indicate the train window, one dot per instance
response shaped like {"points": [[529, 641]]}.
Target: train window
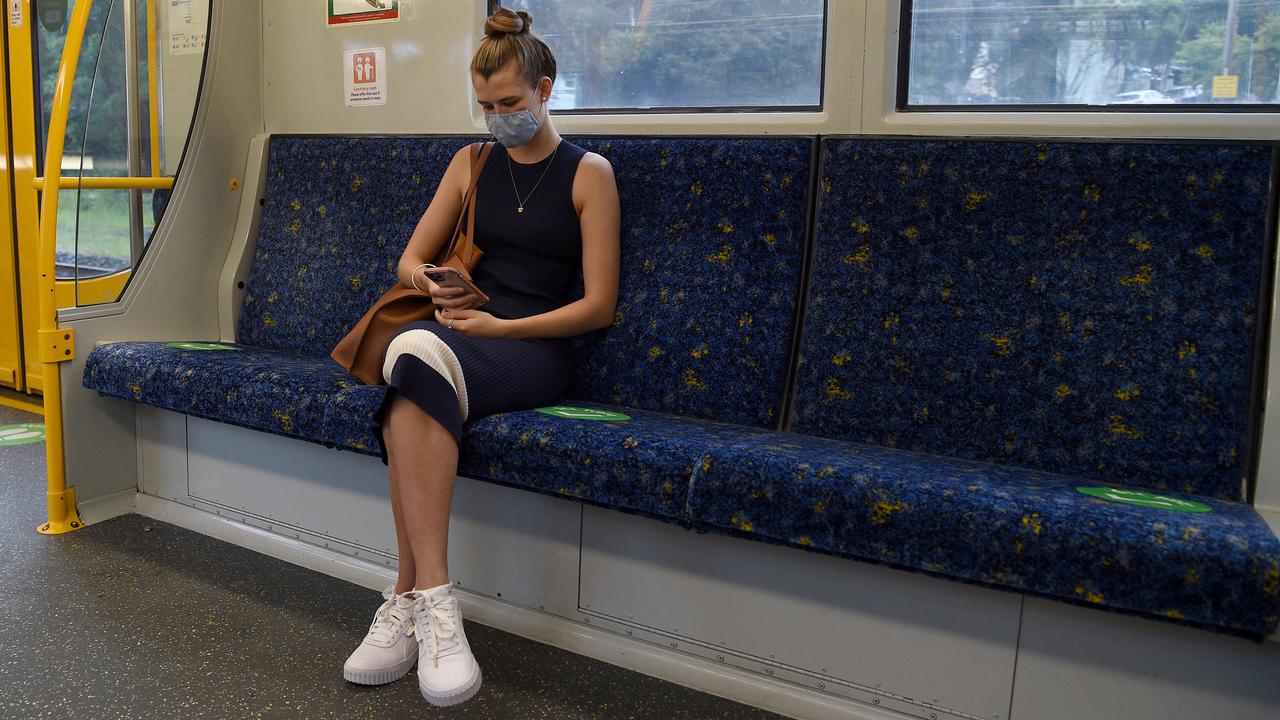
{"points": [[1147, 55], [116, 128], [683, 55]]}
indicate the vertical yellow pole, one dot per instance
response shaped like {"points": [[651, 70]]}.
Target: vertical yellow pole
{"points": [[57, 346], [153, 97]]}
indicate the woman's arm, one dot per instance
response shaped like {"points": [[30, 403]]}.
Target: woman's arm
{"points": [[435, 228], [595, 193]]}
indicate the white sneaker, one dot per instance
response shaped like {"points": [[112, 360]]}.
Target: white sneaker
{"points": [[388, 650], [447, 671]]}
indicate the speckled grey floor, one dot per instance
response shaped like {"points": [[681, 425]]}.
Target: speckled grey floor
{"points": [[133, 618]]}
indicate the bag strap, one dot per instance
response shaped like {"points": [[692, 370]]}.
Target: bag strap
{"points": [[469, 200]]}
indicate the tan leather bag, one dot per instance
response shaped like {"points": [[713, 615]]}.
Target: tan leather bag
{"points": [[364, 348]]}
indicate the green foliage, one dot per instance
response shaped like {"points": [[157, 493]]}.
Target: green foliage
{"points": [[1203, 55], [103, 133]]}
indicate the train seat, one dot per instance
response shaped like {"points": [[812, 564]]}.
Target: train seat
{"points": [[991, 325], [714, 237], [987, 327]]}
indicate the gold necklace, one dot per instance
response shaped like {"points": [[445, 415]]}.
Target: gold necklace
{"points": [[520, 203]]}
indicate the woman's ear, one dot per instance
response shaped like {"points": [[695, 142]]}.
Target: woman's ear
{"points": [[544, 88]]}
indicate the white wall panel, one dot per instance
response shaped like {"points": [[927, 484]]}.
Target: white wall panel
{"points": [[162, 453], [930, 640], [1081, 663]]}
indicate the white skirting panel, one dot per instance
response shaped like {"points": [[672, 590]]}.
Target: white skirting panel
{"points": [[803, 634], [1079, 663]]}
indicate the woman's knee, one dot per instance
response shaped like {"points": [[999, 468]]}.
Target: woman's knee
{"points": [[406, 420]]}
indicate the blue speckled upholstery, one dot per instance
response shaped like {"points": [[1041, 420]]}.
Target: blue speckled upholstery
{"points": [[268, 390], [998, 526], [1044, 260], [713, 235], [1083, 308], [338, 214]]}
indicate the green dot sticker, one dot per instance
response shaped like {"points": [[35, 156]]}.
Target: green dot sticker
{"points": [[1145, 499], [24, 434], [581, 413], [202, 346]]}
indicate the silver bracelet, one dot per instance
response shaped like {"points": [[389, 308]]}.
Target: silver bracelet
{"points": [[413, 281]]}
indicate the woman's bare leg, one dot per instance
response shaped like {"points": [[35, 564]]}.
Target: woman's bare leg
{"points": [[408, 576], [423, 460]]}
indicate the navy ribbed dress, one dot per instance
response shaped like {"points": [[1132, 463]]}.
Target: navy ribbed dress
{"points": [[531, 265]]}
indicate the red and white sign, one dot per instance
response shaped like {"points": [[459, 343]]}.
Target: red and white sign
{"points": [[366, 76], [365, 67]]}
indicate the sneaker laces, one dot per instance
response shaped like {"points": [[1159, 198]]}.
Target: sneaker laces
{"points": [[390, 618], [442, 629]]}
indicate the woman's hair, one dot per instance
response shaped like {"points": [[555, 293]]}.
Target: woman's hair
{"points": [[507, 37]]}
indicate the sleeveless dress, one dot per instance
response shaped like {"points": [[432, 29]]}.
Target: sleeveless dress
{"points": [[531, 265]]}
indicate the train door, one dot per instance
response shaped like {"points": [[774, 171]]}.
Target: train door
{"points": [[114, 132]]}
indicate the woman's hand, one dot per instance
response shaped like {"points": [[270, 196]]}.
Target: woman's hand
{"points": [[477, 323], [451, 298]]}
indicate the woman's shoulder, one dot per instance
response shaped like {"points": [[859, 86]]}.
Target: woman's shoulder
{"points": [[585, 160]]}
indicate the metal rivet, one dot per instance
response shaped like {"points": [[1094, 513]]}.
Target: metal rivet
{"points": [[720, 658], [933, 716], [770, 671], [822, 686], [628, 632], [875, 701], [673, 644]]}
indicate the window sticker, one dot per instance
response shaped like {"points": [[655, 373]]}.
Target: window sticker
{"points": [[365, 77]]}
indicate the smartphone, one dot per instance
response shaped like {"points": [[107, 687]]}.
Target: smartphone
{"points": [[450, 277]]}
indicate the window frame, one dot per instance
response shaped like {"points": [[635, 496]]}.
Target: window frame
{"points": [[902, 105]]}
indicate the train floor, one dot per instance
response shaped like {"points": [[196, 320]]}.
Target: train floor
{"points": [[135, 618]]}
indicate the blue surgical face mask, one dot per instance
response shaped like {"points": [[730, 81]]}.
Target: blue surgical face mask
{"points": [[514, 128]]}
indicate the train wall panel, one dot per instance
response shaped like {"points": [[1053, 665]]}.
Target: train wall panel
{"points": [[942, 643], [1075, 663]]}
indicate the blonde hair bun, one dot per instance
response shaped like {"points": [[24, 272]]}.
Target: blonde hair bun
{"points": [[508, 22]]}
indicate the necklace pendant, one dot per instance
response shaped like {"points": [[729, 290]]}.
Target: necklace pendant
{"points": [[520, 209]]}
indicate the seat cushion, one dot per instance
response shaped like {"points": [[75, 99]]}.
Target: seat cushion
{"points": [[1081, 308], [267, 390], [998, 526]]}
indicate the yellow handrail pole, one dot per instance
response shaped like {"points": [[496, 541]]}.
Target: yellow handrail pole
{"points": [[57, 346], [153, 99], [112, 182]]}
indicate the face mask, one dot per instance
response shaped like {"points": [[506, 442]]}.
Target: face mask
{"points": [[514, 128]]}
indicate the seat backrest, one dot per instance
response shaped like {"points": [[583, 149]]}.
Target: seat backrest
{"points": [[337, 214], [713, 236], [1084, 308]]}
